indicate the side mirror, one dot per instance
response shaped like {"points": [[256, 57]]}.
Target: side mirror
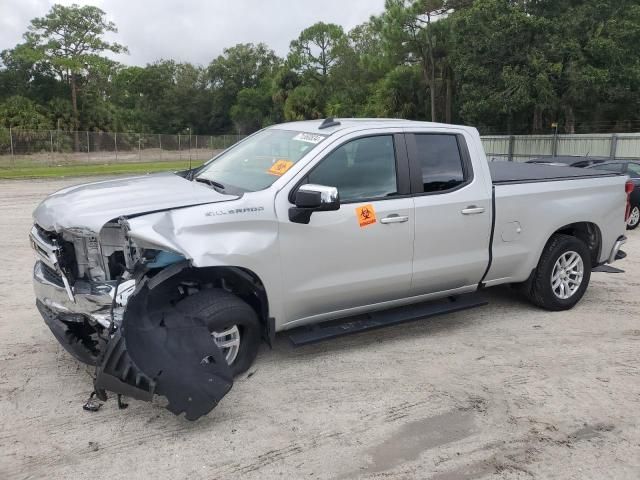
{"points": [[313, 198]]}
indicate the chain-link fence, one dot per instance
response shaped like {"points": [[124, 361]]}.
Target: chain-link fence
{"points": [[520, 148], [20, 148]]}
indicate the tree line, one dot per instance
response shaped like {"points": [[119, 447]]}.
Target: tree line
{"points": [[507, 66]]}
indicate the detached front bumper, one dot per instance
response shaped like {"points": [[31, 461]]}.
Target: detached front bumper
{"points": [[79, 323], [91, 300]]}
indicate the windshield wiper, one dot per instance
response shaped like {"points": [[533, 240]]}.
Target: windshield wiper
{"points": [[212, 183]]}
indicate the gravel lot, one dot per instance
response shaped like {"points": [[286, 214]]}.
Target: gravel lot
{"points": [[504, 391]]}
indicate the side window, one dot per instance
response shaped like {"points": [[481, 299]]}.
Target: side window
{"points": [[361, 169], [634, 170], [610, 167], [441, 162]]}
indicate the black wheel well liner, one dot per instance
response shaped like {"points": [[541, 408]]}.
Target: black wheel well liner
{"points": [[589, 233], [242, 282]]}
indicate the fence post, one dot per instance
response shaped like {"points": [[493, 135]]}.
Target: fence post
{"points": [[139, 147], [51, 144], [614, 146], [115, 144], [13, 160], [179, 149], [160, 145], [196, 147], [512, 143], [88, 156]]}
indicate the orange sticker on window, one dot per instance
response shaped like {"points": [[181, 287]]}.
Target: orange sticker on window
{"points": [[366, 215], [280, 167]]}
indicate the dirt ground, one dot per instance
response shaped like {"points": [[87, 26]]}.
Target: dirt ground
{"points": [[504, 391]]}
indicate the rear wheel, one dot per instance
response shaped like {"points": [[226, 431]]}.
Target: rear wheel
{"points": [[562, 275], [233, 324], [634, 218]]}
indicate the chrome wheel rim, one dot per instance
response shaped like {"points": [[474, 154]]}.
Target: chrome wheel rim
{"points": [[567, 275], [634, 217], [228, 342]]}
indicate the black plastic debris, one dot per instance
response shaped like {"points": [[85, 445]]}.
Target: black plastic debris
{"points": [[161, 350]]}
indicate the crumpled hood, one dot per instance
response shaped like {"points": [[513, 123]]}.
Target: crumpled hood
{"points": [[91, 205]]}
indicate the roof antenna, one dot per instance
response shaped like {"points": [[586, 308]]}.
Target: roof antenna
{"points": [[328, 122]]}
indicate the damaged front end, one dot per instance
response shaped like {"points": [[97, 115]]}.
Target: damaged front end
{"points": [[115, 305]]}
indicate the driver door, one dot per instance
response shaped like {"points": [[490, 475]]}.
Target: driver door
{"points": [[360, 254]]}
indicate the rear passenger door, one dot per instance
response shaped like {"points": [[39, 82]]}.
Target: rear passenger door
{"points": [[453, 213]]}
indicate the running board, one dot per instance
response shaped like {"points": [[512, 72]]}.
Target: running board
{"points": [[384, 318]]}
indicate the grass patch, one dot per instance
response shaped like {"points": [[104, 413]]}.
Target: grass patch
{"points": [[47, 171]]}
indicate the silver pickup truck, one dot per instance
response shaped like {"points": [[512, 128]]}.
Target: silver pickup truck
{"points": [[168, 283]]}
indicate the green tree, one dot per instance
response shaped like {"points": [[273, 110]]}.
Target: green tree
{"points": [[23, 113], [593, 47], [252, 109], [399, 94], [304, 103], [360, 63], [313, 53], [496, 63], [69, 40], [244, 66], [407, 27]]}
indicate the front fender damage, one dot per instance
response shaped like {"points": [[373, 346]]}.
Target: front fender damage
{"points": [[161, 350]]}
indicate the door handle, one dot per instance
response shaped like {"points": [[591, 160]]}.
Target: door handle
{"points": [[395, 218], [472, 210]]}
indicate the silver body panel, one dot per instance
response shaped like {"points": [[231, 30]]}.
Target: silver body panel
{"points": [[91, 205], [539, 209], [332, 267]]}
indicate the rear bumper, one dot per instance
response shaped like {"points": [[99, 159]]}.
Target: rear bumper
{"points": [[616, 252]]}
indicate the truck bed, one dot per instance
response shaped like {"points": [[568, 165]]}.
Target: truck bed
{"points": [[510, 173]]}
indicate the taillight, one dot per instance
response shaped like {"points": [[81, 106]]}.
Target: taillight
{"points": [[628, 188]]}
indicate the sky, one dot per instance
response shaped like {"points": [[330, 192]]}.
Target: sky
{"points": [[196, 31]]}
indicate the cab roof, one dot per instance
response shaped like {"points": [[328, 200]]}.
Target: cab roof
{"points": [[313, 126]]}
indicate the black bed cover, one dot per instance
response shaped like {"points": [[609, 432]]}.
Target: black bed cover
{"points": [[513, 172]]}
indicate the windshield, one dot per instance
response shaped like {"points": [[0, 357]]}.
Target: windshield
{"points": [[257, 162]]}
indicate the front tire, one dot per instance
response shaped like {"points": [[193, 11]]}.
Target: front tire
{"points": [[562, 275], [634, 218], [233, 324]]}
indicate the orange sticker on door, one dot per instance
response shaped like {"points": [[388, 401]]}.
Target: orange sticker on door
{"points": [[366, 215], [280, 167]]}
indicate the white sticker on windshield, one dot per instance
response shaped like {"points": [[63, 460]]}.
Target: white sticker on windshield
{"points": [[309, 138]]}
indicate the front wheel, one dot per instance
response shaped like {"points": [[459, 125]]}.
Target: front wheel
{"points": [[634, 218], [562, 275], [233, 324]]}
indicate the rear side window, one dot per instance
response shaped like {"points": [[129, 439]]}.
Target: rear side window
{"points": [[610, 167], [634, 170], [441, 162]]}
